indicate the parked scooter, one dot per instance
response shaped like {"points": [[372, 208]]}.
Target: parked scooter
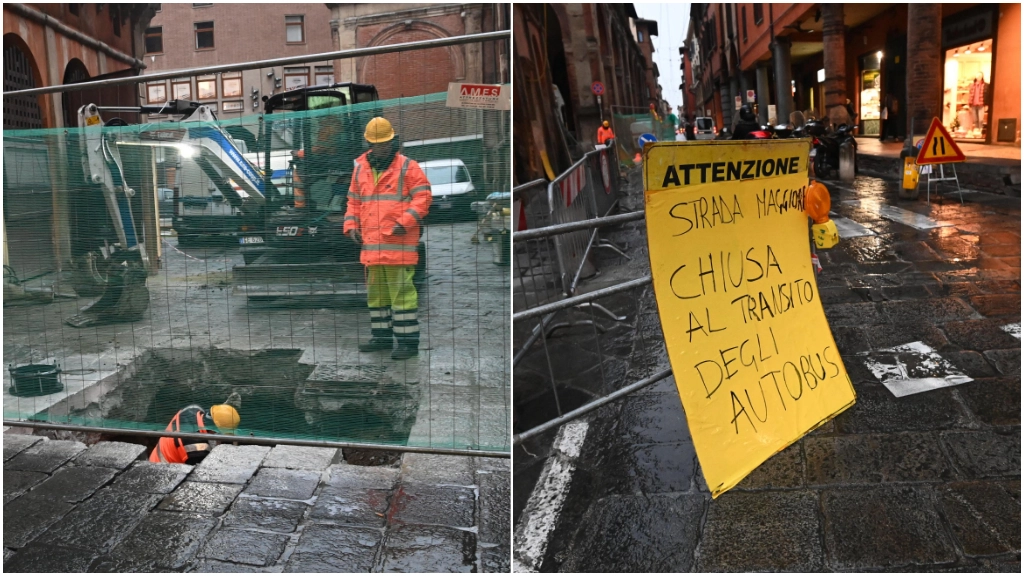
{"points": [[825, 147]]}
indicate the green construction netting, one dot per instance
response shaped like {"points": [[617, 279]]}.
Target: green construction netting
{"points": [[224, 273], [629, 127]]}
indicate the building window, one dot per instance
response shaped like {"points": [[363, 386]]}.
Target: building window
{"points": [[231, 85], [758, 14], [206, 87], [115, 18], [296, 77], [204, 35], [324, 75], [156, 93], [743, 17], [233, 106], [639, 36], [155, 40], [203, 5], [157, 9], [294, 28], [181, 89], [73, 9]]}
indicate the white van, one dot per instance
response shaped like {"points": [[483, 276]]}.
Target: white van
{"points": [[704, 128]]}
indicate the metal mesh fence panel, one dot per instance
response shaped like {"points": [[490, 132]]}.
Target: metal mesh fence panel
{"points": [[196, 261]]}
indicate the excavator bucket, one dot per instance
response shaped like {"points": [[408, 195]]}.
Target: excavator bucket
{"points": [[125, 298]]}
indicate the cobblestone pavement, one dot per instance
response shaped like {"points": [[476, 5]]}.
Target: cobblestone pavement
{"points": [[927, 482], [103, 508]]}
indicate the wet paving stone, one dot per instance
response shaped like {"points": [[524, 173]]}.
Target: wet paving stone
{"points": [[872, 458], [17, 482], [971, 363], [980, 335], [430, 504], [45, 456], [14, 444], [348, 505], [245, 547], [997, 305], [935, 310], [230, 464], [261, 514], [74, 484], [877, 410], [850, 339], [1007, 362], [102, 521], [348, 475], [985, 454], [218, 567], [905, 292], [648, 469], [884, 528], [637, 534], [152, 478], [335, 549], [653, 418], [280, 483], [49, 559], [300, 458], [773, 531], [116, 455], [984, 518], [163, 541], [839, 295], [201, 497], [863, 314], [783, 470], [429, 549], [911, 330], [493, 507], [27, 517], [994, 401], [432, 468]]}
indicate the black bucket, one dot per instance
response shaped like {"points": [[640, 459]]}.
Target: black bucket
{"points": [[35, 380]]}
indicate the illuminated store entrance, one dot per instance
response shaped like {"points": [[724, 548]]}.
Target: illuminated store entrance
{"points": [[966, 90]]}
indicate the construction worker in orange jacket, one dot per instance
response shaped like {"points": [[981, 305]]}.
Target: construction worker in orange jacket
{"points": [[604, 133], [179, 451], [387, 204]]}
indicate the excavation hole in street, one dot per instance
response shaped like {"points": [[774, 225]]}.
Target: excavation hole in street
{"points": [[541, 408], [280, 397]]}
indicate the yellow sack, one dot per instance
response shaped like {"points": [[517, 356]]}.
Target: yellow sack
{"points": [[825, 235]]}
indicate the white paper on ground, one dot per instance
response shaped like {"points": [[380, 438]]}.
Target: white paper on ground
{"points": [[913, 368]]}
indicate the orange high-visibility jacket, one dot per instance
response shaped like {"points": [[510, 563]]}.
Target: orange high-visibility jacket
{"points": [[401, 196], [175, 450], [604, 134]]}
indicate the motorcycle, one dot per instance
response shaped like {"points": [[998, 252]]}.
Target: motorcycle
{"points": [[825, 147]]}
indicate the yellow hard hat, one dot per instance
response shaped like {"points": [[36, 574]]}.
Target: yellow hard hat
{"points": [[605, 123], [225, 416], [378, 130]]}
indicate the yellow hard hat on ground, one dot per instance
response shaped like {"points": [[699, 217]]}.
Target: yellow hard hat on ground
{"points": [[225, 416], [378, 130]]}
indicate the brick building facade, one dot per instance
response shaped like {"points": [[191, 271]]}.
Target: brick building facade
{"points": [[184, 36], [418, 72], [560, 50]]}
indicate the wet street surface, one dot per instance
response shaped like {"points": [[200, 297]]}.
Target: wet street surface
{"points": [[69, 507], [921, 474]]}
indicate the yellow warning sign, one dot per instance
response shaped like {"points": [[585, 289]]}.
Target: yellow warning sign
{"points": [[938, 146], [752, 354]]}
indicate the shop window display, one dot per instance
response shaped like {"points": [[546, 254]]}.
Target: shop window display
{"points": [[967, 90]]}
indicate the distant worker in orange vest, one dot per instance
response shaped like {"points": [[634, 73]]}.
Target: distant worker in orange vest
{"points": [[387, 204], [604, 133], [193, 419]]}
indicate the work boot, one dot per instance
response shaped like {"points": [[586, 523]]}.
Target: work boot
{"points": [[376, 345], [406, 349], [381, 339]]}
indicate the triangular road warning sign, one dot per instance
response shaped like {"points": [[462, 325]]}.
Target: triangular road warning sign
{"points": [[939, 147]]}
